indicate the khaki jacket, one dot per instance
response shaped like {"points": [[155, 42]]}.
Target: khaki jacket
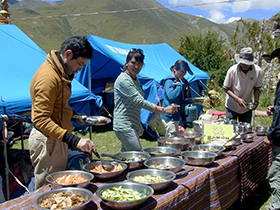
{"points": [[50, 92]]}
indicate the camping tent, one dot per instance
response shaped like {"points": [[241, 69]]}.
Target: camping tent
{"points": [[109, 58], [20, 58]]}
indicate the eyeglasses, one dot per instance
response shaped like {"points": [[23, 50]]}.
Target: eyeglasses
{"points": [[134, 50]]}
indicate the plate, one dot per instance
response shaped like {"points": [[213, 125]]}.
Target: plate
{"points": [[98, 120]]}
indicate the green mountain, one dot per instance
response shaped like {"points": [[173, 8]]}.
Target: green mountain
{"points": [[49, 23]]}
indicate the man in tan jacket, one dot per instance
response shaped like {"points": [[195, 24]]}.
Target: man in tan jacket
{"points": [[50, 91]]}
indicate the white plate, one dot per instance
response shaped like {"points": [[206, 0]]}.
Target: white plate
{"points": [[98, 120]]}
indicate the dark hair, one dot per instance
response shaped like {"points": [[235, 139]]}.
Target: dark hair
{"points": [[79, 45], [138, 54]]}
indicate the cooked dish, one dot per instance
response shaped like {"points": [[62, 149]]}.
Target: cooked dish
{"points": [[162, 166], [70, 179], [99, 168], [149, 179], [63, 200]]}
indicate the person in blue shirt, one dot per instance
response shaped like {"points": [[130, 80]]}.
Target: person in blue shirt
{"points": [[174, 93]]}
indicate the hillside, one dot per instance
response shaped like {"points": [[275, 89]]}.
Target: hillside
{"points": [[49, 23]]}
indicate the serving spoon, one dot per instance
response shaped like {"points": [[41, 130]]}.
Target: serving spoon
{"points": [[105, 165], [49, 175], [179, 173], [135, 159]]}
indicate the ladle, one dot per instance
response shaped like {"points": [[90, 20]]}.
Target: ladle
{"points": [[230, 139], [179, 173], [49, 175], [106, 166]]}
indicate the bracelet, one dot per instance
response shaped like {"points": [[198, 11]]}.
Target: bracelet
{"points": [[162, 110]]}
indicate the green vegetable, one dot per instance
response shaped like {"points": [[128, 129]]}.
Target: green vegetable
{"points": [[120, 194]]}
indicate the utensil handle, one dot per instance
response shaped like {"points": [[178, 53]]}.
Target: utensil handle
{"points": [[107, 155], [96, 154], [184, 172]]}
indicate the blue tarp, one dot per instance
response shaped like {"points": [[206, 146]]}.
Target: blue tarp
{"points": [[109, 58], [20, 57]]}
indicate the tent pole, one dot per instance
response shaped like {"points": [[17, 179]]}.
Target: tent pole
{"points": [[5, 139], [90, 127]]}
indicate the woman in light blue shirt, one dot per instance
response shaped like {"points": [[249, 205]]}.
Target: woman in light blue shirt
{"points": [[128, 101]]}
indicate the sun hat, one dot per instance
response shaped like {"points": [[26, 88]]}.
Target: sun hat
{"points": [[246, 56], [182, 66]]}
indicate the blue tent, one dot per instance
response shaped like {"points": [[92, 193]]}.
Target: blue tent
{"points": [[20, 58], [109, 58]]}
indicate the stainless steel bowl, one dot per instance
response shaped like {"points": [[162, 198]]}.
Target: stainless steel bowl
{"points": [[194, 136], [161, 151], [210, 148], [137, 187], [83, 174], [142, 156], [251, 106], [104, 175], [198, 158], [221, 142], [261, 130], [153, 172], [178, 143], [86, 194], [248, 138], [175, 162]]}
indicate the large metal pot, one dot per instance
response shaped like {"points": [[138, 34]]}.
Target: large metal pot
{"points": [[179, 143], [194, 136]]}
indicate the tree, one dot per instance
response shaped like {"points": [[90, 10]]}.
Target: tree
{"points": [[208, 52]]}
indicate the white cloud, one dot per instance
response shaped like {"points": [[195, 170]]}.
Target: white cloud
{"points": [[232, 19], [216, 16]]}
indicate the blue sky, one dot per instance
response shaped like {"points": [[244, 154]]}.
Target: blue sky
{"points": [[224, 11]]}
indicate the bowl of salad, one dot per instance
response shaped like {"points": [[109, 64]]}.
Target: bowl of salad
{"points": [[136, 195], [161, 151], [97, 170], [155, 178]]}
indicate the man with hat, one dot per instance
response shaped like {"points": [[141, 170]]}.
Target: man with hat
{"points": [[242, 80], [174, 87], [273, 139]]}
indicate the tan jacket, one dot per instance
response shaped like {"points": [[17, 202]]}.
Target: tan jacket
{"points": [[50, 92]]}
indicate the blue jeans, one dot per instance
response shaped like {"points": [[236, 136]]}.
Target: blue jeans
{"points": [[274, 179], [130, 140], [246, 117]]}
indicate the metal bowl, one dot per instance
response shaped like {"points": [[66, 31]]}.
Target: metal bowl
{"points": [[175, 162], [248, 138], [194, 136], [104, 175], [137, 187], [83, 174], [178, 143], [86, 194], [251, 106], [153, 172], [160, 151], [198, 158], [210, 148], [221, 142], [261, 130], [142, 156]]}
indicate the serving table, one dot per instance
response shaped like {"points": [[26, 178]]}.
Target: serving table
{"points": [[231, 177]]}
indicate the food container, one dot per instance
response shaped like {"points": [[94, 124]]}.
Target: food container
{"points": [[210, 148], [136, 187], [85, 194], [175, 163], [178, 143], [83, 174], [157, 186], [142, 156], [248, 138], [251, 106], [198, 158], [261, 130], [104, 175], [194, 136], [221, 142], [161, 151]]}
